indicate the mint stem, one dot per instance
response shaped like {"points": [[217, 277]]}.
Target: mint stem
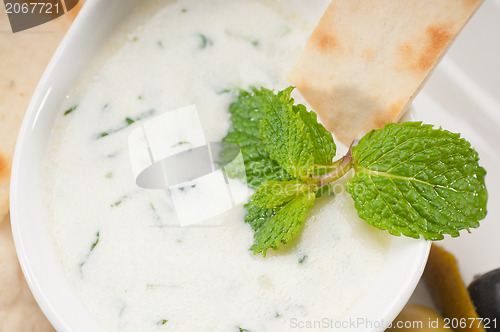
{"points": [[343, 165], [338, 172]]}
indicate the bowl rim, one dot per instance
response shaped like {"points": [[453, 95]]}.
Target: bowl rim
{"points": [[68, 53], [50, 90]]}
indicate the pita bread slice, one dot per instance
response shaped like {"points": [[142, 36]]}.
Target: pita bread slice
{"points": [[367, 59], [23, 57], [18, 309]]}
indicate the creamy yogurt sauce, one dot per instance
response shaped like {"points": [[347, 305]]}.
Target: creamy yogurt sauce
{"points": [[120, 245]]}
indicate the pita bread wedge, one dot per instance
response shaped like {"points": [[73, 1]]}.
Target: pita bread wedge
{"points": [[18, 309], [23, 58], [367, 59], [447, 289]]}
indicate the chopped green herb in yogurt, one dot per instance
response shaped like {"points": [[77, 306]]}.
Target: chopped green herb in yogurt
{"points": [[205, 42], [127, 122], [95, 243], [70, 110], [254, 42], [180, 143], [119, 201]]}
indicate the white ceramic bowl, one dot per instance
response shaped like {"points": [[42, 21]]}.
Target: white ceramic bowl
{"points": [[387, 295]]}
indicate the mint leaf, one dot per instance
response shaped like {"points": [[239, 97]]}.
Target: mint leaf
{"points": [[287, 137], [274, 193], [259, 167], [284, 224], [246, 114], [324, 146], [415, 180], [256, 216], [247, 111]]}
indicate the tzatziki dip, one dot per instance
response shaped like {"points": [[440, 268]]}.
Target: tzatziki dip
{"points": [[122, 248]]}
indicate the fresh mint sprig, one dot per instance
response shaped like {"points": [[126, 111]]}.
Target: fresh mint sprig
{"points": [[410, 178]]}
